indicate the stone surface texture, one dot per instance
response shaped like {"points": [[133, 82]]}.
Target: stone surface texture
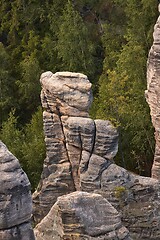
{"points": [[73, 140], [80, 154], [15, 199], [81, 215], [153, 93]]}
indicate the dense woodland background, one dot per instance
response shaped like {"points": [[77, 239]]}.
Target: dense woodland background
{"points": [[108, 40]]}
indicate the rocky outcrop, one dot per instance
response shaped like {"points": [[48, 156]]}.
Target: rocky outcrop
{"points": [[73, 140], [15, 199], [136, 198], [80, 154], [81, 215], [153, 93]]}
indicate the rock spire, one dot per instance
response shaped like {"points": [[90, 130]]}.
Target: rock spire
{"points": [[73, 140], [153, 93]]}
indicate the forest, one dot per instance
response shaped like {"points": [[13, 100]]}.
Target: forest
{"points": [[108, 40]]}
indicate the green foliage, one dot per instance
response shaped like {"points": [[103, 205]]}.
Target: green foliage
{"points": [[80, 36], [120, 191], [48, 58], [73, 45], [26, 144], [11, 135], [29, 86], [6, 85], [33, 148], [121, 91]]}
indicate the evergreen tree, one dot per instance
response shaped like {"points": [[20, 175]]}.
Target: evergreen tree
{"points": [[11, 135], [33, 148], [26, 144], [121, 93], [6, 85], [74, 46], [29, 87], [68, 35]]}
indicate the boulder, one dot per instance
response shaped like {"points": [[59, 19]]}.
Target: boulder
{"points": [[81, 215]]}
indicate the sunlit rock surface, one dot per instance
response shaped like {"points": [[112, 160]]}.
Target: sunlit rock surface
{"points": [[80, 156], [81, 215], [15, 199], [73, 140], [153, 93]]}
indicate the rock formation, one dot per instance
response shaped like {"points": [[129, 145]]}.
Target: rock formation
{"points": [[153, 93], [81, 215], [63, 96], [15, 199], [80, 155], [73, 140]]}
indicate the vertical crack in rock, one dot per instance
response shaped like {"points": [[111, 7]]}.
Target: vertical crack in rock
{"points": [[79, 162], [63, 95], [64, 142], [85, 162], [76, 140], [104, 167], [94, 139], [94, 142], [105, 148], [76, 143]]}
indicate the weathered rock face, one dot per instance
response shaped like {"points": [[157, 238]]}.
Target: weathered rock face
{"points": [[136, 197], [153, 94], [71, 137], [80, 154], [15, 199], [81, 215]]}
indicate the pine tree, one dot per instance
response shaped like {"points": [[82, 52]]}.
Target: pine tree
{"points": [[29, 87], [33, 148], [11, 135], [74, 46], [6, 85], [122, 85], [27, 144]]}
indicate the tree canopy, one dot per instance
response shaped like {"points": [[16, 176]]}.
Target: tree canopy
{"points": [[106, 40]]}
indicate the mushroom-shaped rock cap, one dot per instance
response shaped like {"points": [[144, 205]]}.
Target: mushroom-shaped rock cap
{"points": [[67, 91], [15, 195]]}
